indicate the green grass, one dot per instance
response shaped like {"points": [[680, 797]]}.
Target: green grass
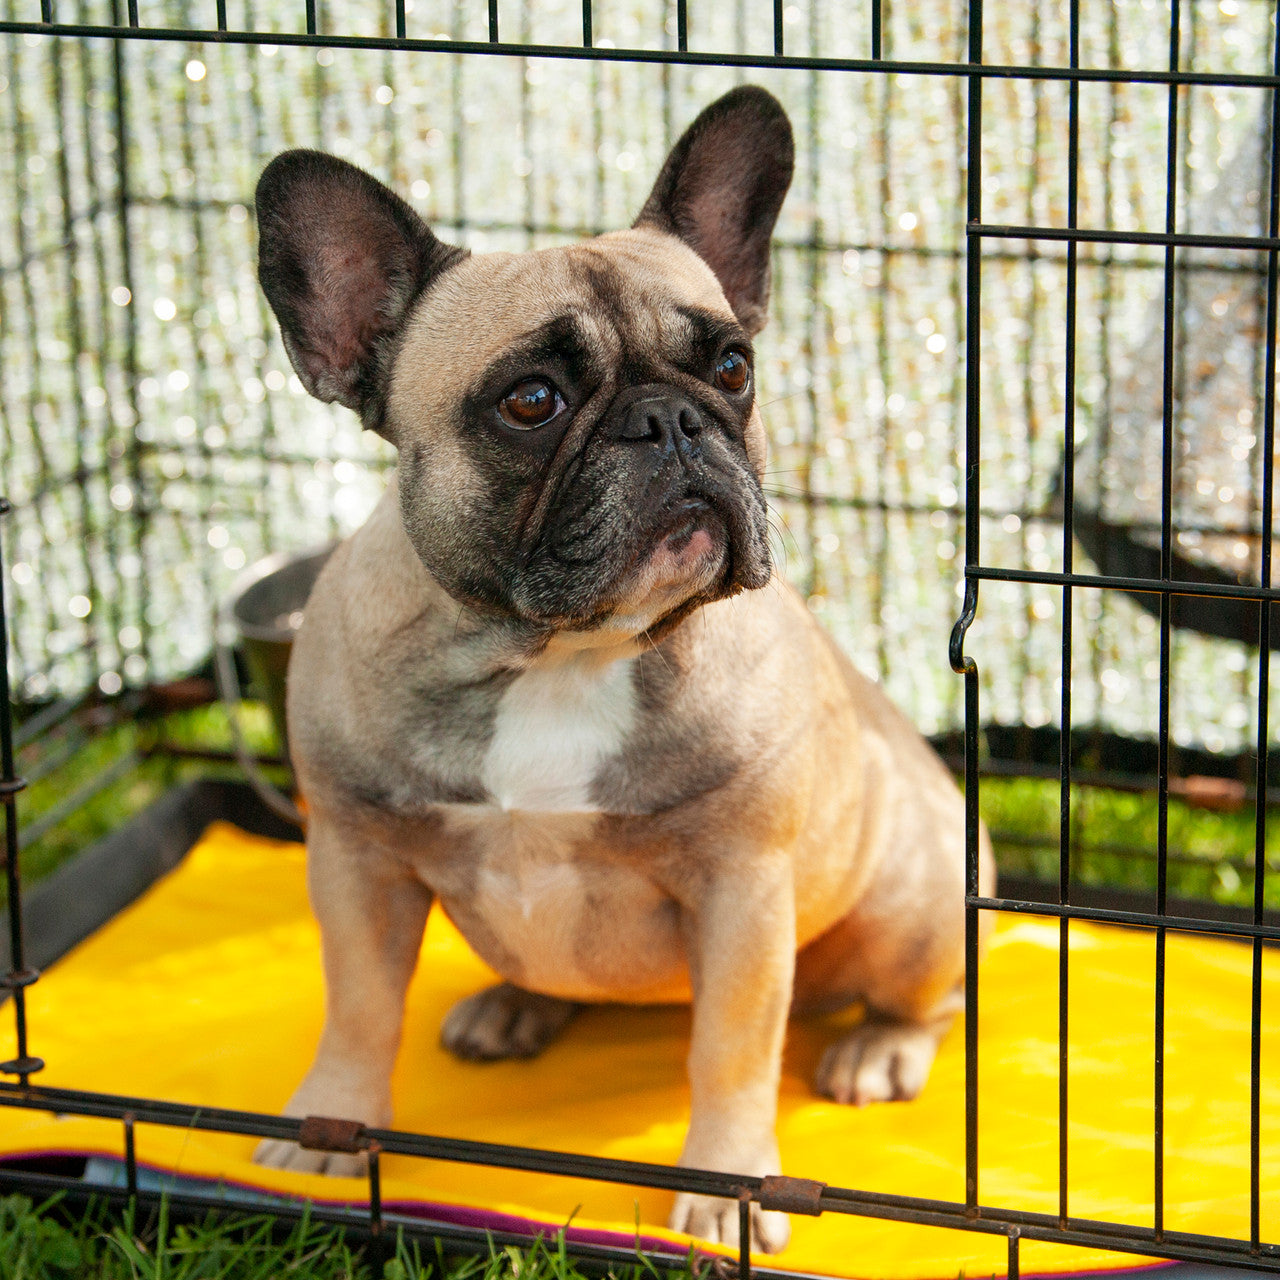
{"points": [[1114, 840], [46, 1242], [145, 778]]}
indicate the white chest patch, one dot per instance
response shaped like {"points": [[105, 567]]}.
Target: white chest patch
{"points": [[555, 726]]}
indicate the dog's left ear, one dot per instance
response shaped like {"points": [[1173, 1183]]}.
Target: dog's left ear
{"points": [[720, 191]]}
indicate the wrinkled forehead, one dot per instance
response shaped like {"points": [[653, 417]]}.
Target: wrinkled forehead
{"points": [[623, 291]]}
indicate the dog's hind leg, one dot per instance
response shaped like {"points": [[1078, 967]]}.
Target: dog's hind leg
{"points": [[901, 954], [885, 1059], [504, 1021]]}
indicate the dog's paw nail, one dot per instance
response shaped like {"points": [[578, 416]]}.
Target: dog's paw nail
{"points": [[770, 1231], [268, 1154]]}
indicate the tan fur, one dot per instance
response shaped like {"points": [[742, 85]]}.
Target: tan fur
{"points": [[811, 852]]}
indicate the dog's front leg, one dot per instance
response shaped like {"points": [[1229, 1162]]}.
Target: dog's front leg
{"points": [[372, 913], [740, 939]]}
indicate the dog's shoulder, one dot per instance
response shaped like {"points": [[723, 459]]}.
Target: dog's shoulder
{"points": [[389, 683]]}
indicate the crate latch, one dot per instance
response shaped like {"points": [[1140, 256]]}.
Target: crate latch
{"points": [[792, 1195], [324, 1133]]}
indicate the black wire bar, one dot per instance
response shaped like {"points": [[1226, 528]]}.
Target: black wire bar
{"points": [[1064, 692], [1150, 586], [960, 662], [1021, 249], [130, 1153], [1166, 239], [1264, 659], [689, 57], [1135, 919], [1086, 1232], [1171, 317], [19, 977]]}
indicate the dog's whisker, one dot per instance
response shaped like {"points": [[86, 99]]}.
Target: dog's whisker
{"points": [[784, 535], [662, 657], [790, 395], [790, 495], [639, 666]]}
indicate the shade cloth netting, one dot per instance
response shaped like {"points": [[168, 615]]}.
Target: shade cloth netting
{"points": [[208, 990]]}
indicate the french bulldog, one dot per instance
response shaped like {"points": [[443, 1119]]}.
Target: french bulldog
{"points": [[555, 684]]}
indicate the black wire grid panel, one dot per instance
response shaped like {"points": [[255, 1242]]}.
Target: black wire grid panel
{"points": [[1173, 247]]}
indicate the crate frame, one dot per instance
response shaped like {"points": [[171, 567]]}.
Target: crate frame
{"points": [[968, 1214]]}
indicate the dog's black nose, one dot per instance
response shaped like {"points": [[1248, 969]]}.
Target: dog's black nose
{"points": [[663, 418]]}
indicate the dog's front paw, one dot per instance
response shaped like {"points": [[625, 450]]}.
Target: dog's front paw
{"points": [[878, 1062], [715, 1220], [735, 1149], [504, 1021], [338, 1095]]}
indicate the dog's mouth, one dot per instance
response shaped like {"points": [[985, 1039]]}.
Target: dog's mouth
{"points": [[693, 546], [696, 551], [700, 544]]}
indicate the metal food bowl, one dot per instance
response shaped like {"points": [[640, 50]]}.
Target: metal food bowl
{"points": [[266, 610]]}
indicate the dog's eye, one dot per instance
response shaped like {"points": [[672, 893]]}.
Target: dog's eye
{"points": [[529, 404], [733, 370]]}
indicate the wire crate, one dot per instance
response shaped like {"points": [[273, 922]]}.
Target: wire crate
{"points": [[1020, 372]]}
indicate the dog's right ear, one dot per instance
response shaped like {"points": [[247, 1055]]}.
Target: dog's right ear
{"points": [[341, 259]]}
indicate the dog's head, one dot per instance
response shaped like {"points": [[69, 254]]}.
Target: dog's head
{"points": [[580, 445]]}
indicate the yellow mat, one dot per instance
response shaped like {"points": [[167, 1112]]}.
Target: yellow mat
{"points": [[208, 990]]}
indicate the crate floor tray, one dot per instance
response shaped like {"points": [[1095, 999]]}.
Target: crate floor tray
{"points": [[207, 990]]}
